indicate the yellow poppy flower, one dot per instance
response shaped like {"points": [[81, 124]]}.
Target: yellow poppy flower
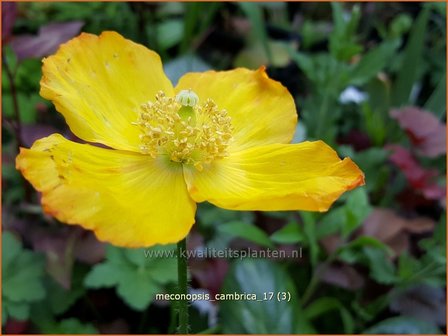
{"points": [[220, 137]]}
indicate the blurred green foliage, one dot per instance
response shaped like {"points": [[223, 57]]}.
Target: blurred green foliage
{"points": [[137, 277], [22, 283], [348, 277]]}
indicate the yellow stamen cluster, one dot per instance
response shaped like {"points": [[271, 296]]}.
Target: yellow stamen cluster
{"points": [[195, 138]]}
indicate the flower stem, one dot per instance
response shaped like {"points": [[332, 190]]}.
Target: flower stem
{"points": [[182, 286], [17, 123], [314, 282], [322, 121], [15, 103]]}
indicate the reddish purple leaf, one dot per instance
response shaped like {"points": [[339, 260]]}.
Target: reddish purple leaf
{"points": [[13, 326], [47, 41], [393, 230], [425, 131], [118, 326], [420, 178], [31, 133], [387, 227], [343, 276], [58, 249], [62, 247], [209, 273], [89, 249], [331, 243], [9, 12], [359, 140], [423, 302]]}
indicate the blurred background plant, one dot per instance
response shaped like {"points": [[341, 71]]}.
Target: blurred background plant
{"points": [[369, 79]]}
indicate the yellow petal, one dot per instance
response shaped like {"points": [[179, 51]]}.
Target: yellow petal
{"points": [[305, 176], [126, 198], [98, 82], [262, 110]]}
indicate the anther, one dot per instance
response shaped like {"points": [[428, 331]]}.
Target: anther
{"points": [[187, 132]]}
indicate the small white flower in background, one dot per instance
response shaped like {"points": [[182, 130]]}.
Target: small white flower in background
{"points": [[205, 307], [346, 16], [352, 95], [415, 91]]}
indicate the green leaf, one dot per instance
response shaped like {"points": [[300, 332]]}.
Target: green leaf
{"points": [[246, 231], [400, 25], [27, 106], [289, 234], [407, 267], [253, 56], [374, 122], [28, 76], [136, 276], [116, 255], [211, 216], [413, 56], [12, 178], [254, 13], [343, 44], [10, 59], [136, 256], [309, 228], [439, 7], [353, 22], [372, 163], [437, 101], [382, 270], [403, 325], [376, 115], [42, 316], [365, 241], [368, 311], [138, 290], [331, 222], [18, 310], [164, 270], [258, 276], [104, 275], [69, 326], [326, 304], [169, 33], [352, 252], [22, 277], [193, 12], [313, 32], [304, 62], [61, 299], [373, 62], [345, 218], [161, 260], [338, 18], [327, 75], [429, 269], [357, 208], [11, 248]]}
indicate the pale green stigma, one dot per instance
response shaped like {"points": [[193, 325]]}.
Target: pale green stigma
{"points": [[187, 98]]}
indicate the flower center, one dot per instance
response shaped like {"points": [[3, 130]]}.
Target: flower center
{"points": [[184, 130]]}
